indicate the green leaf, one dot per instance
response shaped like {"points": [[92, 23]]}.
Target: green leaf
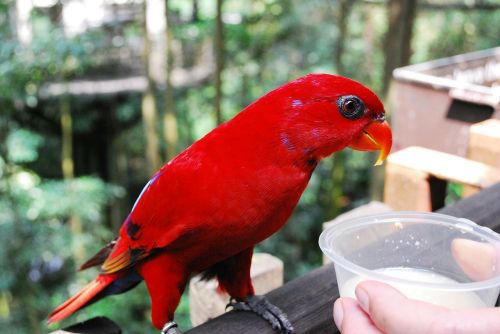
{"points": [[22, 146]]}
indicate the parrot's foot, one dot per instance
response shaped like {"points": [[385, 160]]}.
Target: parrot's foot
{"points": [[260, 305], [170, 328]]}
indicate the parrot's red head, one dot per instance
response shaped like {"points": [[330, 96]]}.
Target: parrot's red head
{"points": [[324, 113]]}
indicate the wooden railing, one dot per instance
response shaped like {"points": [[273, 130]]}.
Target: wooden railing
{"points": [[308, 300]]}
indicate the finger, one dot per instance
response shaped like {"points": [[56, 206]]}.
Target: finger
{"points": [[477, 259], [351, 319], [394, 313], [476, 321]]}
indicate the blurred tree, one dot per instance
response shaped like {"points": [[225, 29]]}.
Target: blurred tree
{"points": [[397, 42], [37, 242], [343, 13], [67, 137], [149, 108], [464, 31], [219, 60], [23, 24], [195, 11], [169, 118], [68, 167], [335, 204], [36, 262]]}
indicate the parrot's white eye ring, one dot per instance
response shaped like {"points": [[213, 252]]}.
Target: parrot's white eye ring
{"points": [[351, 107]]}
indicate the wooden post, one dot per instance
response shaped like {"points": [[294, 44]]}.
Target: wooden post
{"points": [[484, 142], [484, 146], [406, 188], [206, 302]]}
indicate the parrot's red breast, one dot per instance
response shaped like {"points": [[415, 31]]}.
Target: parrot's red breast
{"points": [[206, 209]]}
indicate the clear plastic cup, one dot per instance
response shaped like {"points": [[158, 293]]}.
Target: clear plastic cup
{"points": [[431, 257]]}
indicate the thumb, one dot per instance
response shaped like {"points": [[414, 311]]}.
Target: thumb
{"points": [[394, 313]]}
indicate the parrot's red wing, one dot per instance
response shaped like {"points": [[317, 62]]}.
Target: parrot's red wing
{"points": [[112, 258], [99, 258], [117, 263], [129, 248], [122, 258]]}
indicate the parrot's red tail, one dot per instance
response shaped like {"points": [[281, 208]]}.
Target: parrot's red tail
{"points": [[80, 299]]}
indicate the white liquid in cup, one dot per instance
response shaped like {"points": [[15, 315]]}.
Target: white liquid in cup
{"points": [[449, 299]]}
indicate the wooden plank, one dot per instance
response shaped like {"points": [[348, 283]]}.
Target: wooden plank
{"points": [[308, 300], [180, 78], [446, 166]]}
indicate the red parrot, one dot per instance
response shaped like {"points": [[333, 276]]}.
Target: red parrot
{"points": [[204, 211]]}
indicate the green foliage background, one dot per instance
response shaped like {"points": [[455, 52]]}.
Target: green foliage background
{"points": [[273, 42]]}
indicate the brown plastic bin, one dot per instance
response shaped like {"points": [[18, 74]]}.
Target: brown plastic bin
{"points": [[434, 103]]}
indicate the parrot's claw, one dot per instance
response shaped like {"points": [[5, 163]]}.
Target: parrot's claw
{"points": [[260, 305], [170, 328]]}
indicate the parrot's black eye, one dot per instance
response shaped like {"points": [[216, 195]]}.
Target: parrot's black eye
{"points": [[351, 106]]}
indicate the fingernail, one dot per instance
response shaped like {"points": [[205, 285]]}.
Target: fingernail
{"points": [[363, 299], [338, 313]]}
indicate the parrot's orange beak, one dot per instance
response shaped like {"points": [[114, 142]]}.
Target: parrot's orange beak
{"points": [[376, 136]]}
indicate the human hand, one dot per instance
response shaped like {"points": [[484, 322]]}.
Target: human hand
{"points": [[380, 308]]}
